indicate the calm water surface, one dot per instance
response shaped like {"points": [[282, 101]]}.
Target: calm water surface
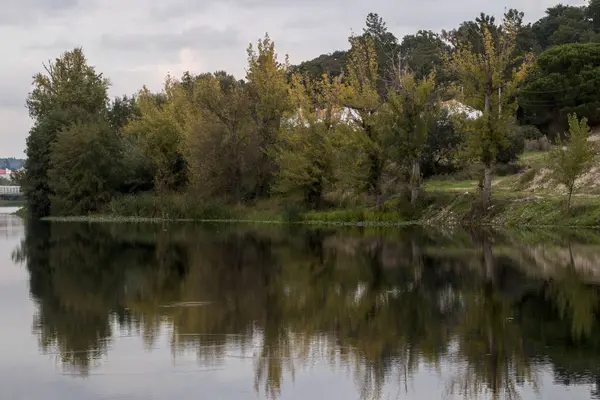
{"points": [[119, 311]]}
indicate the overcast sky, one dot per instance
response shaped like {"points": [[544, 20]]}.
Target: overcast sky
{"points": [[136, 42]]}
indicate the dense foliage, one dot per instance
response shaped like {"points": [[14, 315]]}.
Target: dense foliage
{"points": [[358, 126], [566, 80]]}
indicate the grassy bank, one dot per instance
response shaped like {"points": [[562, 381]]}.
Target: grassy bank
{"points": [[437, 208], [524, 196]]}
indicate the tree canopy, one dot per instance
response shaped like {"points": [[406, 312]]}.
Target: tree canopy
{"points": [[566, 79]]}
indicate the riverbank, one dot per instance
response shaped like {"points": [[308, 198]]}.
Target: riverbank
{"points": [[436, 209], [524, 195]]}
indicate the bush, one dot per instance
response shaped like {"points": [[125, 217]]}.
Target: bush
{"points": [[526, 178], [174, 206], [508, 169], [541, 144], [529, 132], [441, 152], [511, 153], [292, 212]]}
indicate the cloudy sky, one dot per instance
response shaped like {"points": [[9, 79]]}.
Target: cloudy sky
{"points": [[136, 42]]}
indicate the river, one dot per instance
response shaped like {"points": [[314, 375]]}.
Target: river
{"points": [[183, 311]]}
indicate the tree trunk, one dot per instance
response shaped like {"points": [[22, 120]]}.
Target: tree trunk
{"points": [[486, 193], [374, 177], [486, 190], [569, 198], [415, 182]]}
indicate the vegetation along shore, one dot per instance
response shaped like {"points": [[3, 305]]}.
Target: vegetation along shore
{"points": [[493, 122]]}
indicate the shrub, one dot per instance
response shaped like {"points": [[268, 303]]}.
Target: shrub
{"points": [[529, 132], [292, 212], [512, 152], [175, 206]]}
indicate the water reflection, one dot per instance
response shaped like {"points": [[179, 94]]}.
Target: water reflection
{"points": [[487, 312]]}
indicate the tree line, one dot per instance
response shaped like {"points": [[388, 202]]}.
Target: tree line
{"points": [[370, 131]]}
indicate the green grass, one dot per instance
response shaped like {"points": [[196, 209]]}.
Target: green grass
{"points": [[448, 185], [585, 212], [436, 209], [533, 158], [355, 217]]}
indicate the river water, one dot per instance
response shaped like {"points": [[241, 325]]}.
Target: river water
{"points": [[126, 311]]}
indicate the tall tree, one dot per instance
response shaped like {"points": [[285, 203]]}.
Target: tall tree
{"points": [[68, 91], [121, 110], [161, 137], [362, 96], [386, 49], [267, 85], [85, 162], [470, 34], [222, 152], [308, 139], [406, 118], [489, 86], [424, 53], [571, 158]]}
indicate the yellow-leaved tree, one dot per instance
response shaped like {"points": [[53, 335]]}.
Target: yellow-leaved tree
{"points": [[267, 87], [489, 83], [361, 95], [158, 130]]}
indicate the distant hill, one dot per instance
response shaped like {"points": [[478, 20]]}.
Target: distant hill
{"points": [[11, 163]]}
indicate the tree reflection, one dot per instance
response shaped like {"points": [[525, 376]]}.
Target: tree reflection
{"points": [[380, 307]]}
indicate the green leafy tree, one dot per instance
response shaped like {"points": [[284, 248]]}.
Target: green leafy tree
{"points": [[331, 64], [68, 91], [85, 161], [308, 139], [267, 86], [565, 80], [572, 158], [565, 24], [423, 53], [362, 96], [386, 49], [221, 149], [489, 85], [406, 118], [159, 132], [442, 150], [470, 34], [121, 110]]}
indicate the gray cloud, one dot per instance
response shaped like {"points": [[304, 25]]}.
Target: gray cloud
{"points": [[28, 11], [56, 45], [199, 37]]}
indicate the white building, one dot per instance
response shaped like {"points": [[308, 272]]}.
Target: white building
{"points": [[456, 107]]}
